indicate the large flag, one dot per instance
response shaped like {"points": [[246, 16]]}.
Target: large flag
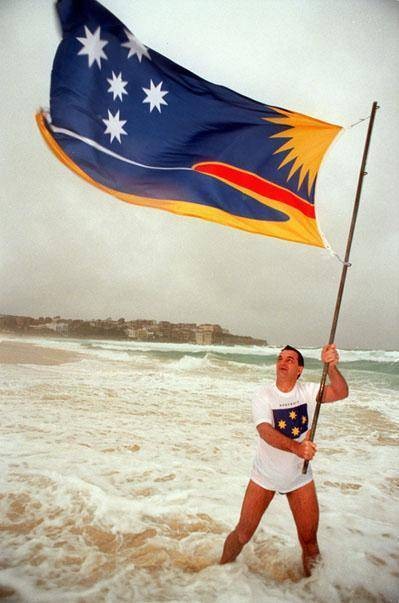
{"points": [[142, 128]]}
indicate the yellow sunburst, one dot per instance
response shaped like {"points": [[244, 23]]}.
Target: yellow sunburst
{"points": [[309, 140]]}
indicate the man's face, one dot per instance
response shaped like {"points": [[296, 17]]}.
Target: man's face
{"points": [[287, 366]]}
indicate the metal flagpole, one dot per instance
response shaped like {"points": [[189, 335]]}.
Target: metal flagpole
{"points": [[345, 267]]}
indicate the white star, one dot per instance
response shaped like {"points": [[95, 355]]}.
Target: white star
{"points": [[114, 126], [155, 96], [135, 47], [117, 86], [93, 46]]}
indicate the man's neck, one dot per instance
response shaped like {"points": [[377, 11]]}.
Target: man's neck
{"points": [[285, 386]]}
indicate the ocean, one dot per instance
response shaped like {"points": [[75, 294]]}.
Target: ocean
{"points": [[123, 471]]}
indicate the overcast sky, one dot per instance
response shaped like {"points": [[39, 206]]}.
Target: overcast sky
{"points": [[68, 249]]}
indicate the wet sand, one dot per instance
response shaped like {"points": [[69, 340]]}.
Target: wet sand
{"points": [[16, 352]]}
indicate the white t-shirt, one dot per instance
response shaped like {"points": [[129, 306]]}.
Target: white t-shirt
{"points": [[291, 414]]}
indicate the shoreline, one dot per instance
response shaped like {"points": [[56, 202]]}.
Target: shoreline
{"points": [[17, 352]]}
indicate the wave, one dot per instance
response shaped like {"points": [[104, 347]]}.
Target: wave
{"points": [[357, 355], [262, 356], [241, 361], [243, 354], [190, 362]]}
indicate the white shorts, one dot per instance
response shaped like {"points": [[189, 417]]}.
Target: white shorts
{"points": [[282, 487]]}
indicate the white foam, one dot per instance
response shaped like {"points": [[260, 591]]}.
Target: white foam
{"points": [[98, 452]]}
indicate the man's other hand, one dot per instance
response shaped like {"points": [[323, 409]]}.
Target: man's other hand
{"points": [[306, 449]]}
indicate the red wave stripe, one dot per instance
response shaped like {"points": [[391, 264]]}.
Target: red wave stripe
{"points": [[255, 183]]}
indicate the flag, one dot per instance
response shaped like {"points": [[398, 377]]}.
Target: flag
{"points": [[291, 422], [140, 127]]}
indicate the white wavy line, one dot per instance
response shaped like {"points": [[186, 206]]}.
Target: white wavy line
{"points": [[97, 146]]}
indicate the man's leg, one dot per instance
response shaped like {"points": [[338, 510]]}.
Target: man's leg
{"points": [[305, 509], [255, 503]]}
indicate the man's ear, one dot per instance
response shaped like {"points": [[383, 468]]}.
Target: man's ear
{"points": [[300, 369]]}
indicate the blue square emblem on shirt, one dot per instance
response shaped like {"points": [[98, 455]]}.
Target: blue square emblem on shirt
{"points": [[292, 422]]}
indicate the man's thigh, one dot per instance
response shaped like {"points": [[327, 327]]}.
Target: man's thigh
{"points": [[305, 509], [255, 503]]}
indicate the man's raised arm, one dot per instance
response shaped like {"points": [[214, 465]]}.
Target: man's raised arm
{"points": [[338, 387]]}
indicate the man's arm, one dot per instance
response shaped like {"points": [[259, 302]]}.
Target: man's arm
{"points": [[338, 387], [306, 449]]}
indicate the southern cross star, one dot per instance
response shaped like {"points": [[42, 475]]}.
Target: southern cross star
{"points": [[135, 47], [155, 96], [93, 46], [117, 86], [114, 126]]}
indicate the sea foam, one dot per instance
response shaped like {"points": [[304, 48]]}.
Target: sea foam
{"points": [[123, 472]]}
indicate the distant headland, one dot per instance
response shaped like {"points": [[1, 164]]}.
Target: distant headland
{"points": [[135, 330]]}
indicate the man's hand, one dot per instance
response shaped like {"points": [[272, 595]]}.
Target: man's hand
{"points": [[329, 354], [306, 449], [338, 388]]}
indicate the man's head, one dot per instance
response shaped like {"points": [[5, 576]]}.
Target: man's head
{"points": [[301, 361], [289, 364]]}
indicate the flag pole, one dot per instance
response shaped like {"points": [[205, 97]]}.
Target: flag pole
{"points": [[345, 267]]}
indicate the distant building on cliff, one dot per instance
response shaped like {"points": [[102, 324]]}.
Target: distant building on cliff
{"points": [[58, 326], [138, 330], [208, 334]]}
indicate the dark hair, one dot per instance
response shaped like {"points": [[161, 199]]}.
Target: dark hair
{"points": [[301, 361]]}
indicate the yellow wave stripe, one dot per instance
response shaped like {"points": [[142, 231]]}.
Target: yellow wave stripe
{"points": [[299, 229]]}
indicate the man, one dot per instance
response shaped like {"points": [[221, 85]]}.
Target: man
{"points": [[283, 415]]}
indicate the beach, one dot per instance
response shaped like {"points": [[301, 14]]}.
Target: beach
{"points": [[16, 352], [124, 464]]}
